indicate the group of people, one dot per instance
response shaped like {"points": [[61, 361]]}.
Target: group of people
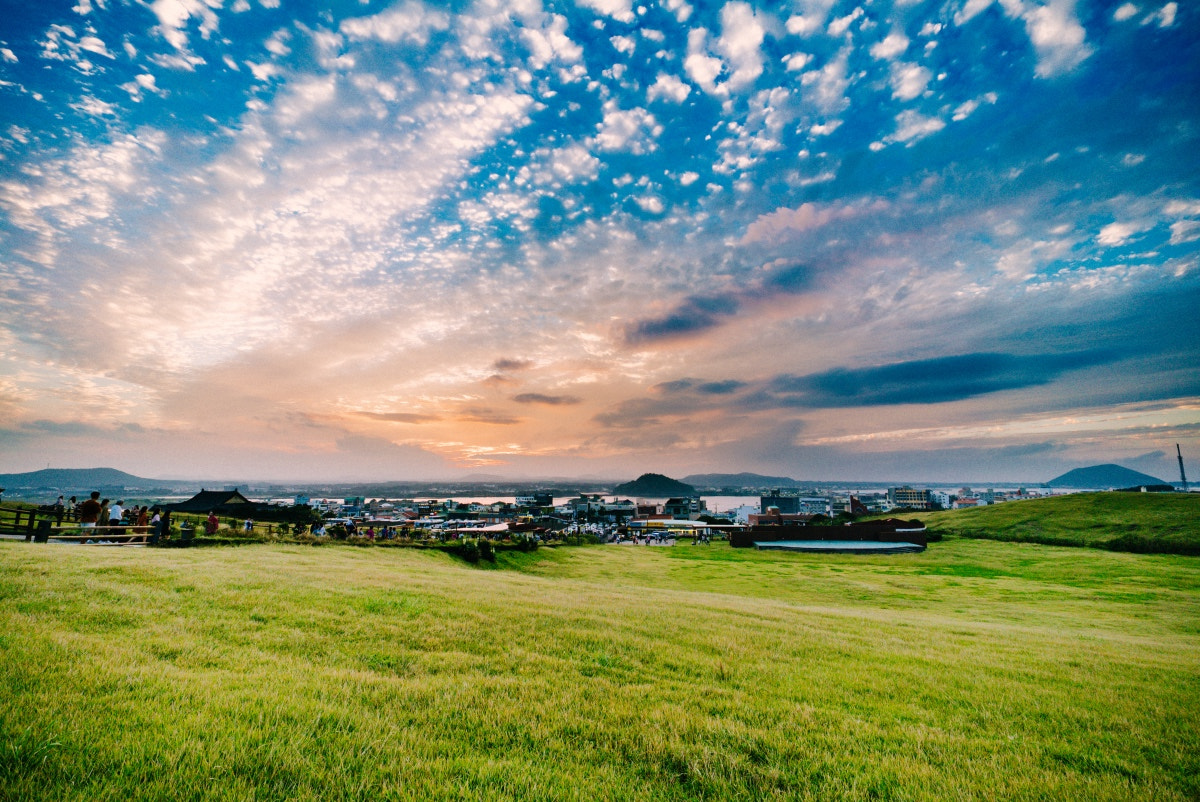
{"points": [[95, 511]]}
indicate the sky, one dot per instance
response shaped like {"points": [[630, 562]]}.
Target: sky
{"points": [[297, 241]]}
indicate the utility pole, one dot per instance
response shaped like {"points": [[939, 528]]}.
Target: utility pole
{"points": [[1182, 475]]}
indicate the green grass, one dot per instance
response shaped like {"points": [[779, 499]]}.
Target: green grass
{"points": [[975, 670], [1145, 523]]}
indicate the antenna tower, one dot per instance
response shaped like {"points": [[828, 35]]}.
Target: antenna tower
{"points": [[1182, 475]]}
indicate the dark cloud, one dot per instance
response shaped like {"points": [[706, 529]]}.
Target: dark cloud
{"points": [[400, 417], [550, 400], [487, 416], [789, 279], [697, 386], [70, 428], [693, 315], [696, 314], [504, 364], [925, 381]]}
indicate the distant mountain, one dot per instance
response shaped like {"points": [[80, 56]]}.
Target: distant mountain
{"points": [[654, 485], [1103, 476], [75, 480], [739, 480]]}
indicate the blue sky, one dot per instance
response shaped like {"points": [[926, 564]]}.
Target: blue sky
{"points": [[374, 240]]}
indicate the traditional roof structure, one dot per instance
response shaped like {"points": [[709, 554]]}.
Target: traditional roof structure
{"points": [[226, 502]]}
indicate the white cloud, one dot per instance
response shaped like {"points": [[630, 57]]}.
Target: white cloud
{"points": [[893, 45], [631, 130], [566, 165], [970, 10], [968, 107], [784, 223], [1056, 34], [740, 42], [828, 84], [93, 44], [797, 61], [63, 44], [175, 15], [1186, 208], [668, 87], [410, 21], [94, 107], [265, 71], [911, 126], [181, 60], [840, 25], [620, 10], [965, 110], [1125, 12], [651, 204], [82, 188], [277, 43], [689, 178], [8, 55], [1185, 231], [550, 42], [1057, 37], [623, 44], [680, 8], [909, 80], [1117, 233], [1166, 15], [142, 83], [701, 67]]}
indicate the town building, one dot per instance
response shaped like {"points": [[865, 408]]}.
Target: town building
{"points": [[687, 507], [908, 497]]}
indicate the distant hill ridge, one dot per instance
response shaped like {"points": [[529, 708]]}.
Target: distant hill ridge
{"points": [[73, 479], [1103, 477], [739, 480]]}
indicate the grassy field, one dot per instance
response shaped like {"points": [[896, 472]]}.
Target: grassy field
{"points": [[975, 670], [1146, 523]]}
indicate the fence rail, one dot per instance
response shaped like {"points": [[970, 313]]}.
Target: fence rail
{"points": [[21, 521]]}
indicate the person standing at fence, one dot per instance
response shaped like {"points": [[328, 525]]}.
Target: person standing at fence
{"points": [[89, 511], [115, 513], [210, 526], [59, 510]]}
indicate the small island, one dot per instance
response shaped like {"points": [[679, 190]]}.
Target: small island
{"points": [[655, 485]]}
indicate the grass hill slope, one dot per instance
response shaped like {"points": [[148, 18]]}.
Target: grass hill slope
{"points": [[975, 670], [1150, 523]]}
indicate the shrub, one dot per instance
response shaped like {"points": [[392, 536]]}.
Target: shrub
{"points": [[486, 550], [468, 549], [524, 542]]}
